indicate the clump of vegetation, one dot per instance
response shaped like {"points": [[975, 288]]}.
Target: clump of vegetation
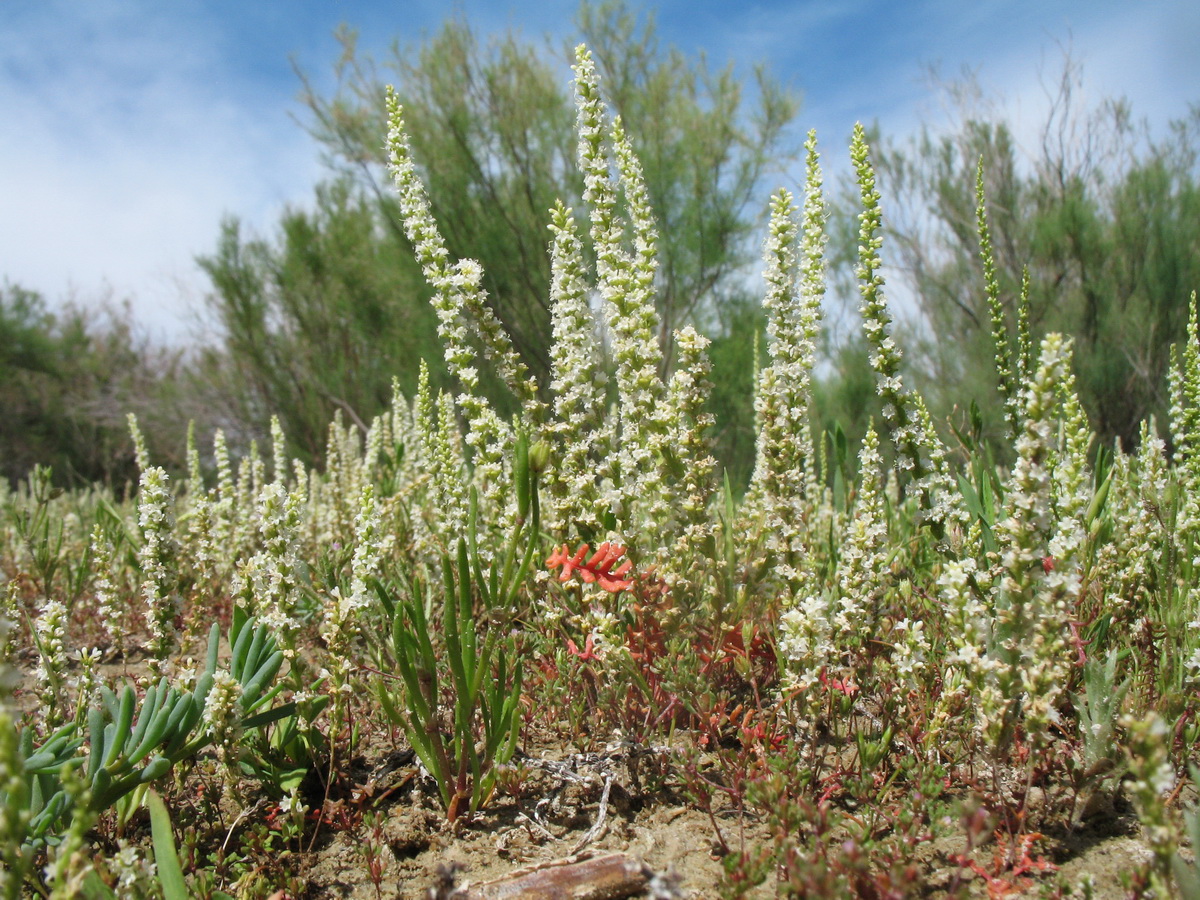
{"points": [[838, 669]]}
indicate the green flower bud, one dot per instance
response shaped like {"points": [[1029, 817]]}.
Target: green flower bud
{"points": [[539, 456]]}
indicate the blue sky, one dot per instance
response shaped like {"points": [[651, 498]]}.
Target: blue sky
{"points": [[130, 127]]}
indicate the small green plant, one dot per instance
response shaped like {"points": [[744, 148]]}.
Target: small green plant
{"points": [[1099, 706], [129, 744], [372, 850], [39, 525], [462, 741]]}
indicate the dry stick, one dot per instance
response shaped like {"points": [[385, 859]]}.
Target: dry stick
{"points": [[603, 878], [596, 829]]}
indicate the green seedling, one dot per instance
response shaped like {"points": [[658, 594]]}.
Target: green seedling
{"points": [[1099, 706]]}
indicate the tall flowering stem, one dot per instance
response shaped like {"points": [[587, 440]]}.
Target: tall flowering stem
{"points": [[1038, 589], [645, 239], [279, 457], [833, 617], [223, 719], [1184, 383], [1073, 487], [921, 455], [1139, 486], [457, 298], [1023, 352], [877, 317], [863, 566], [1006, 378], [966, 665], [141, 454], [195, 479], [578, 384], [785, 485], [278, 571], [441, 454], [689, 452], [109, 608], [625, 284], [372, 542], [222, 506], [158, 558], [777, 453], [252, 475], [345, 610], [812, 292], [661, 481], [1185, 391], [50, 634]]}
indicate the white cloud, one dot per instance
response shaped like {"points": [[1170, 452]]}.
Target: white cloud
{"points": [[126, 143]]}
